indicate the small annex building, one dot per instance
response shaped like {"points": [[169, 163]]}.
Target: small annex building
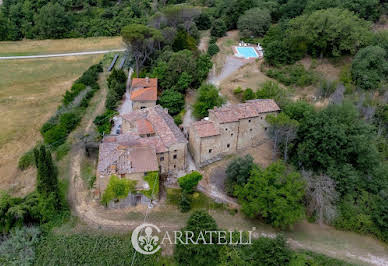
{"points": [[144, 92]]}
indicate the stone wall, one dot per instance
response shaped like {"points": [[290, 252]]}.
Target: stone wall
{"points": [[177, 157], [133, 199], [136, 105], [233, 136]]}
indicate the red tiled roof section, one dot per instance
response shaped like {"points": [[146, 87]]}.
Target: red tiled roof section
{"points": [[144, 127], [143, 159], [205, 128], [252, 108], [144, 89]]}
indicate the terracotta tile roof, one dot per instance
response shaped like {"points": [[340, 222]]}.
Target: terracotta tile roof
{"points": [[144, 127], [143, 90], [205, 128], [142, 82], [126, 159], [162, 123], [143, 159], [252, 108]]}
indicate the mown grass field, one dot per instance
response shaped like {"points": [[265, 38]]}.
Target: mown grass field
{"points": [[36, 47], [30, 92]]}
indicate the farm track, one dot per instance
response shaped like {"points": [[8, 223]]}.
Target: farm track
{"points": [[60, 55]]}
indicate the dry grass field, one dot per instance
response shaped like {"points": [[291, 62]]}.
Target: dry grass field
{"points": [[30, 92], [35, 47]]}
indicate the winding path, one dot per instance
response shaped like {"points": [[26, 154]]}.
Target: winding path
{"points": [[60, 55]]}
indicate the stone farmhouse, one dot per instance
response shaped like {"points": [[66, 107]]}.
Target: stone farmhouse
{"points": [[149, 141], [144, 92], [229, 129]]}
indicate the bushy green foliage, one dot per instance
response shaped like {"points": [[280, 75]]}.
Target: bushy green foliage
{"points": [[203, 21], [346, 79], [272, 90], [19, 247], [213, 49], [292, 75], [298, 110], [185, 201], [219, 28], [45, 210], [178, 119], [73, 92], [26, 160], [200, 254], [254, 22], [117, 189], [332, 137], [68, 116], [248, 94], [189, 181], [238, 173], [330, 32], [183, 41], [180, 70], [70, 18], [117, 76], [172, 100], [262, 251], [327, 87], [337, 142], [208, 97], [104, 122], [280, 50], [367, 9], [89, 249], [188, 184], [152, 179], [370, 67], [275, 193], [52, 21]]}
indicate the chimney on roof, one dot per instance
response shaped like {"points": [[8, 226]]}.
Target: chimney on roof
{"points": [[147, 80]]}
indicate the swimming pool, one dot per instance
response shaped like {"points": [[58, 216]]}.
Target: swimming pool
{"points": [[246, 52]]}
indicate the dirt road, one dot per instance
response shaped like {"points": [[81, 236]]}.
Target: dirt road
{"points": [[59, 55]]}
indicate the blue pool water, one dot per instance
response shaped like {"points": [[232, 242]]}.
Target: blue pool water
{"points": [[247, 52]]}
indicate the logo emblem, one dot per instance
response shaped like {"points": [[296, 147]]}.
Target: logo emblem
{"points": [[143, 241]]}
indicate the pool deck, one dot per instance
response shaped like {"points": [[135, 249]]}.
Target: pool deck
{"points": [[259, 53]]}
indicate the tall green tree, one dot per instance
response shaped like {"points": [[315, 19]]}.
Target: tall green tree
{"points": [[208, 98], [330, 32], [275, 193], [254, 22], [201, 253], [238, 172], [141, 42], [172, 100], [47, 181], [52, 21], [370, 67]]}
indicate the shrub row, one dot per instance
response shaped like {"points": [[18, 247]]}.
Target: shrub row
{"points": [[292, 75], [116, 89], [68, 116]]}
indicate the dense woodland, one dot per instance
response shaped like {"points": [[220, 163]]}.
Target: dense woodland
{"points": [[334, 159]]}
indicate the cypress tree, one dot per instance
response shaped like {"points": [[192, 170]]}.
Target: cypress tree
{"points": [[47, 181]]}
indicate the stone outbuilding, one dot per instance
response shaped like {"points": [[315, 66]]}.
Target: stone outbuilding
{"points": [[144, 92], [230, 128]]}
